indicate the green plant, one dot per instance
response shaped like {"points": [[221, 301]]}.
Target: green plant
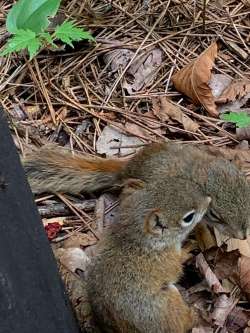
{"points": [[27, 21], [241, 119]]}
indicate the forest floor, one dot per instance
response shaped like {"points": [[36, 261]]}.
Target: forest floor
{"points": [[113, 96]]}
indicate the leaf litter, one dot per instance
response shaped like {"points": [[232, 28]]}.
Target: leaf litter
{"points": [[72, 96]]}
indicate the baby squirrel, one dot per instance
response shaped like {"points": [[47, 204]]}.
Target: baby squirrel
{"points": [[167, 189], [53, 169], [131, 280]]}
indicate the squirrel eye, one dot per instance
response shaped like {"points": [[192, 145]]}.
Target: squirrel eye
{"points": [[188, 218]]}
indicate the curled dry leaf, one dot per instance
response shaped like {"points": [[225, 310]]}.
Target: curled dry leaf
{"points": [[210, 277], [237, 90], [193, 80], [222, 307], [165, 110]]}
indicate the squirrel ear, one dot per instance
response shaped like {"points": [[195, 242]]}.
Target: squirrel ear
{"points": [[153, 223], [132, 184]]}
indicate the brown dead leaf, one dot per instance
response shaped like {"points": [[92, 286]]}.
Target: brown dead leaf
{"points": [[218, 83], [244, 269], [111, 141], [226, 265], [242, 245], [73, 258], [80, 240], [238, 319], [236, 90], [169, 110], [210, 277], [193, 80], [77, 293], [222, 307]]}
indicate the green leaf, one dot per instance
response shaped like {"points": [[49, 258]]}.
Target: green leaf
{"points": [[45, 36], [21, 40], [241, 119], [68, 32], [31, 14]]}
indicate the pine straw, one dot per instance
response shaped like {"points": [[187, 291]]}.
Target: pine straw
{"points": [[75, 87]]}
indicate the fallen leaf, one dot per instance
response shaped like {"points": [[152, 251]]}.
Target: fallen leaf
{"points": [[118, 58], [143, 69], [218, 83], [80, 240], [210, 277], [169, 110], [113, 142], [73, 258], [237, 244], [193, 80], [222, 307], [244, 271], [236, 90], [77, 293], [226, 265], [237, 319]]}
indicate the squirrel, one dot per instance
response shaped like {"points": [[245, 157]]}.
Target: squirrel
{"points": [[167, 189], [53, 169], [131, 280]]}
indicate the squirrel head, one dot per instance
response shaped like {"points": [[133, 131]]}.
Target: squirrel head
{"points": [[229, 210], [162, 214]]}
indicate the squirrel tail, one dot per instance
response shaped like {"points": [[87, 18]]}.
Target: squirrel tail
{"points": [[53, 169]]}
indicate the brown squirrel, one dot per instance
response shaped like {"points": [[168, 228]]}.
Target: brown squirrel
{"points": [[53, 169], [131, 280], [167, 189]]}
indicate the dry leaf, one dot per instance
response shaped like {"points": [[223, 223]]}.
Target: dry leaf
{"points": [[143, 69], [226, 265], [238, 319], [111, 141], [242, 245], [193, 80], [236, 90], [73, 258], [210, 277], [77, 293], [118, 58], [168, 109], [244, 271], [218, 83], [80, 240], [222, 307]]}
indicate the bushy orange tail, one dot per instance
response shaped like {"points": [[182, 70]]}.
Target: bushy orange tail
{"points": [[54, 169]]}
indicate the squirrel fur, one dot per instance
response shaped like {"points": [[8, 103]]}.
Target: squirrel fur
{"points": [[53, 169], [166, 191]]}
